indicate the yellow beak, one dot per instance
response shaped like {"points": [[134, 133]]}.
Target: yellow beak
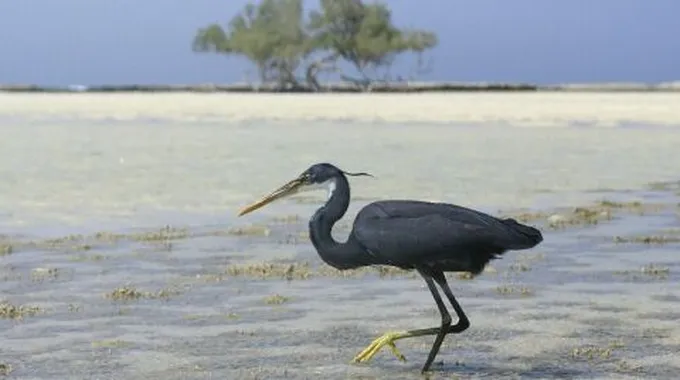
{"points": [[283, 191]]}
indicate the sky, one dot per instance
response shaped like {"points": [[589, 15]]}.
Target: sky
{"points": [[55, 43]]}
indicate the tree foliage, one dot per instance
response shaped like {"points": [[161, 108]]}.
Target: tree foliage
{"points": [[277, 38], [270, 34]]}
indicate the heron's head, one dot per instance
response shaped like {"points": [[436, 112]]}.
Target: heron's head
{"points": [[318, 176]]}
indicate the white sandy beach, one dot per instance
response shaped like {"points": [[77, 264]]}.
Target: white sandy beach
{"points": [[519, 109]]}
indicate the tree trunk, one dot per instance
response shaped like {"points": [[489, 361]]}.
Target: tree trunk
{"points": [[316, 67], [262, 72]]}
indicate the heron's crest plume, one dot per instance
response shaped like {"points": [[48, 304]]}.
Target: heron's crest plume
{"points": [[359, 174]]}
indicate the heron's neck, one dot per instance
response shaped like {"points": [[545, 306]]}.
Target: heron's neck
{"points": [[334, 253]]}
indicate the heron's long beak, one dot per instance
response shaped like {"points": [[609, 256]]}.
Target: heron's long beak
{"points": [[285, 190]]}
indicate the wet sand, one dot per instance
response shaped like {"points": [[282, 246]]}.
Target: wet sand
{"points": [[86, 295]]}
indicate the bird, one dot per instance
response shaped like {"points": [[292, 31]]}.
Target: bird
{"points": [[427, 237]]}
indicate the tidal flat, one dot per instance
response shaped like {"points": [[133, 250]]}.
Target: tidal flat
{"points": [[121, 256]]}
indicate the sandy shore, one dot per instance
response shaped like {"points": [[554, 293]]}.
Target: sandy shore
{"points": [[525, 109]]}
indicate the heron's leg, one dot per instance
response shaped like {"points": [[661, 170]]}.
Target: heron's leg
{"points": [[446, 321], [389, 338], [463, 321]]}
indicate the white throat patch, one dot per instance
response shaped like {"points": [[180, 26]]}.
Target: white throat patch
{"points": [[330, 185]]}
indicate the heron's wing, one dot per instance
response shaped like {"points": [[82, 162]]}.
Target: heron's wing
{"points": [[405, 241]]}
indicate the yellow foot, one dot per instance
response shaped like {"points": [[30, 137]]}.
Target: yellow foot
{"points": [[373, 348]]}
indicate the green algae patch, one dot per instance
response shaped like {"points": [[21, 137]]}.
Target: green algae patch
{"points": [[276, 299], [593, 214], [514, 290], [651, 239], [111, 343], [130, 293], [5, 369], [252, 230], [10, 311], [262, 270], [595, 352], [6, 248], [303, 271], [650, 271]]}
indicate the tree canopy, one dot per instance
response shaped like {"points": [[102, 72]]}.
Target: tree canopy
{"points": [[276, 36]]}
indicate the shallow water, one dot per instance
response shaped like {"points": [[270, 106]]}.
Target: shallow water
{"points": [[66, 165], [580, 305]]}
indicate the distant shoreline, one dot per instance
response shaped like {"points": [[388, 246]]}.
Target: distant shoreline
{"points": [[397, 87]]}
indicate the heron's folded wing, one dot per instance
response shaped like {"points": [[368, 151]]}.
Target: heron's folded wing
{"points": [[403, 240]]}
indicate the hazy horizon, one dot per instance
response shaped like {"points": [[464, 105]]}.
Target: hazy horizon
{"points": [[126, 42]]}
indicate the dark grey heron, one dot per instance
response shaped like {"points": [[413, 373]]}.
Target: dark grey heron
{"points": [[431, 238]]}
